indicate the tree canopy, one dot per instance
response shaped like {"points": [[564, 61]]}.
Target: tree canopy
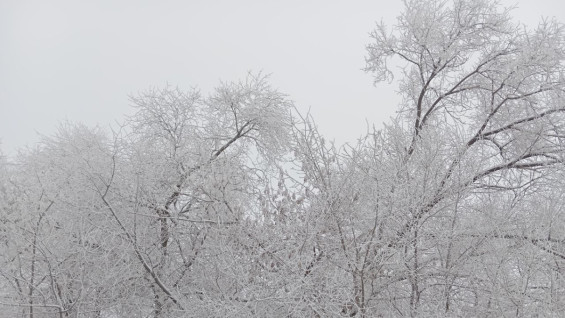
{"points": [[234, 205]]}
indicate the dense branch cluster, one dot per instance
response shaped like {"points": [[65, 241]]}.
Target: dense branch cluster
{"points": [[234, 205]]}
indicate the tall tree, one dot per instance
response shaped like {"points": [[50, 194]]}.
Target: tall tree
{"points": [[481, 128]]}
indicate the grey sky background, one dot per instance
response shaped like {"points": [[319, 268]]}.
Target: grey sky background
{"points": [[79, 60]]}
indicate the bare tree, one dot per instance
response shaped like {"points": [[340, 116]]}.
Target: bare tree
{"points": [[481, 121]]}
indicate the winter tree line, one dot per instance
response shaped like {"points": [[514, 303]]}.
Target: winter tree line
{"points": [[233, 204]]}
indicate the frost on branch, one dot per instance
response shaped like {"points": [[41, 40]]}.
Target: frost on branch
{"points": [[253, 110]]}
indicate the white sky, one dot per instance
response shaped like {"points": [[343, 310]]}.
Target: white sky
{"points": [[79, 60]]}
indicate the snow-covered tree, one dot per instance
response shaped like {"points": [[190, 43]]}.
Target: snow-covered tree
{"points": [[234, 205]]}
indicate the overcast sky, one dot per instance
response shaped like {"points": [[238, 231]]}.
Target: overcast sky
{"points": [[79, 60]]}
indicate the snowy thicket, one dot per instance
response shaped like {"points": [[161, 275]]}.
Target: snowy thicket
{"points": [[233, 204]]}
